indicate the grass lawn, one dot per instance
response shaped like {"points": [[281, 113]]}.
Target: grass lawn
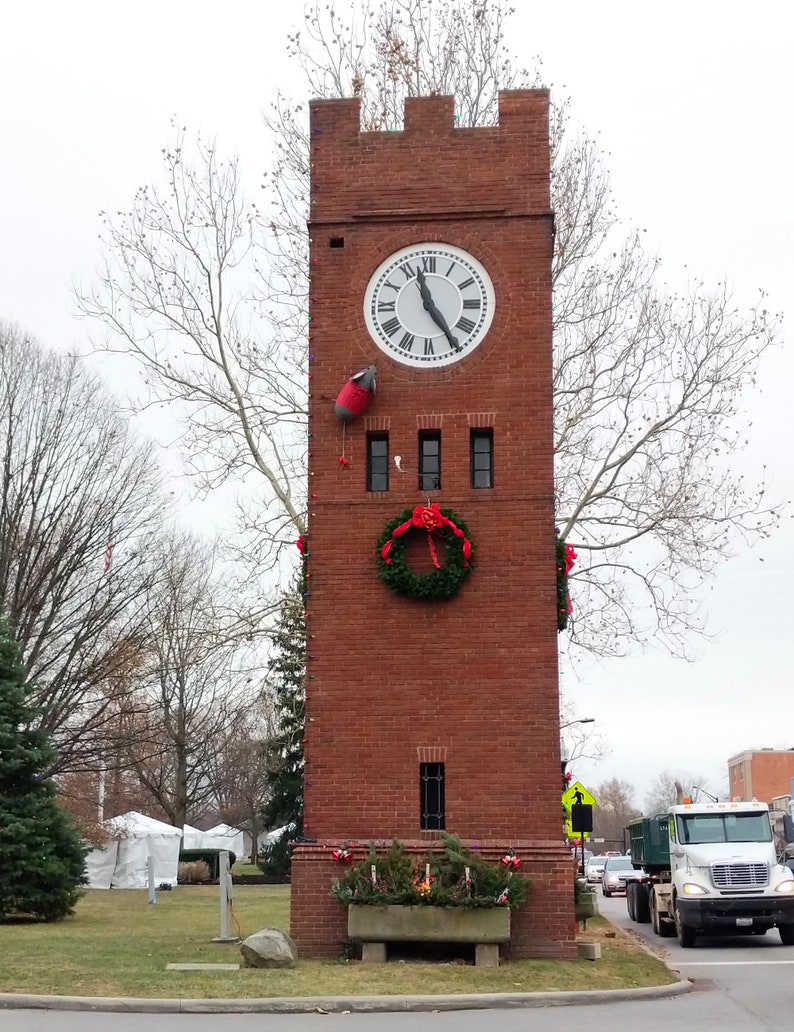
{"points": [[116, 944], [242, 867]]}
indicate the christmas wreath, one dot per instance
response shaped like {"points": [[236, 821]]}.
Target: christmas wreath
{"points": [[450, 549], [566, 557]]}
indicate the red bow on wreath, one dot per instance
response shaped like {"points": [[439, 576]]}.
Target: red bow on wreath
{"points": [[429, 518], [570, 559], [511, 860], [342, 856]]}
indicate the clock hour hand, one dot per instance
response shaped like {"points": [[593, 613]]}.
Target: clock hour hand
{"points": [[429, 306]]}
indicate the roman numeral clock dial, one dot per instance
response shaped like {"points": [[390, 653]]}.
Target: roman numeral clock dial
{"points": [[429, 305]]}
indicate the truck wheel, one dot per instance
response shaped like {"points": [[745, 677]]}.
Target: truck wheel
{"points": [[631, 902], [642, 910], [663, 928], [686, 935], [786, 934], [655, 925]]}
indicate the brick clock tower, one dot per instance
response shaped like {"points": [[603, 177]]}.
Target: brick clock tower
{"points": [[431, 260]]}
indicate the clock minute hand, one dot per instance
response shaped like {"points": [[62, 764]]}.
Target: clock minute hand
{"points": [[429, 306]]}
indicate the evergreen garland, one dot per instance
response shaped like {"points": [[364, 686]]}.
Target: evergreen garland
{"points": [[401, 881], [42, 859], [441, 583], [566, 557]]}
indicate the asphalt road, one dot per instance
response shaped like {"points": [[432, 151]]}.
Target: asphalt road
{"points": [[753, 973]]}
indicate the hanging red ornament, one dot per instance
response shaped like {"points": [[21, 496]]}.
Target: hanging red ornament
{"points": [[356, 394]]}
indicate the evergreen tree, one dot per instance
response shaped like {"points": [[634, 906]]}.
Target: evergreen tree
{"points": [[42, 859], [286, 679]]}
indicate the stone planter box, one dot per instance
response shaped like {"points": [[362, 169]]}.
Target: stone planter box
{"points": [[586, 906], [375, 927]]}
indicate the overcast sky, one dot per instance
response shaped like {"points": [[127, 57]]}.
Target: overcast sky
{"points": [[693, 103]]}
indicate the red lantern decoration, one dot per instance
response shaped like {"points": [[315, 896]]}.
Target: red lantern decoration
{"points": [[356, 394]]}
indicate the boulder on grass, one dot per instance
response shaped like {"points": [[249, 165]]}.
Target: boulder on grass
{"points": [[269, 948]]}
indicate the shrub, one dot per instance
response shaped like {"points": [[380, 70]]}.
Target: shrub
{"points": [[211, 857], [193, 872]]}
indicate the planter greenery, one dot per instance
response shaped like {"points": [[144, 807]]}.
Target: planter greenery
{"points": [[586, 906], [456, 877]]}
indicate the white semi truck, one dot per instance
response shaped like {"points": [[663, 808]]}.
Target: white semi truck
{"points": [[710, 868]]}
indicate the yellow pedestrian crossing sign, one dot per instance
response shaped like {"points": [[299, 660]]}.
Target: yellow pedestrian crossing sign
{"points": [[574, 834], [577, 793]]}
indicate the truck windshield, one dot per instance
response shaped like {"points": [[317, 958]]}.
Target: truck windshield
{"points": [[724, 827]]}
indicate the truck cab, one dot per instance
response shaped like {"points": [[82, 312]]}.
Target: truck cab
{"points": [[711, 867]]}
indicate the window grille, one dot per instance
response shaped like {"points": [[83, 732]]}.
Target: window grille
{"points": [[429, 460], [377, 462], [481, 453], [431, 797]]}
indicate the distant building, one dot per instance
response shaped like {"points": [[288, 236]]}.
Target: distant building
{"points": [[760, 774]]}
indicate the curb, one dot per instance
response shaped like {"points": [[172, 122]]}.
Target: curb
{"points": [[340, 1004]]}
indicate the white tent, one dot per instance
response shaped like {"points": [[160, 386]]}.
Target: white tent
{"points": [[192, 838], [100, 865], [222, 836], [139, 837], [270, 837]]}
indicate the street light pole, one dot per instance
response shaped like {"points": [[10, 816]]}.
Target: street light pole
{"points": [[564, 755]]}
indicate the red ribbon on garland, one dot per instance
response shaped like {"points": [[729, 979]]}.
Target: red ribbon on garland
{"points": [[429, 518], [570, 559]]}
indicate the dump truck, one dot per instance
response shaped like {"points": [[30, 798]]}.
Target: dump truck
{"points": [[710, 868]]}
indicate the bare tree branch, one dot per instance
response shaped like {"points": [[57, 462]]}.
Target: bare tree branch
{"points": [[198, 677], [74, 483], [178, 294], [649, 381]]}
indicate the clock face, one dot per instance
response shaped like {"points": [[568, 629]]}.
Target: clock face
{"points": [[429, 305]]}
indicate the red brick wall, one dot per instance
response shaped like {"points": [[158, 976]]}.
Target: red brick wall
{"points": [[763, 774], [475, 676]]}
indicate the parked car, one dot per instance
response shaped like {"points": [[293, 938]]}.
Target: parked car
{"points": [[618, 871], [576, 854], [594, 868]]}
